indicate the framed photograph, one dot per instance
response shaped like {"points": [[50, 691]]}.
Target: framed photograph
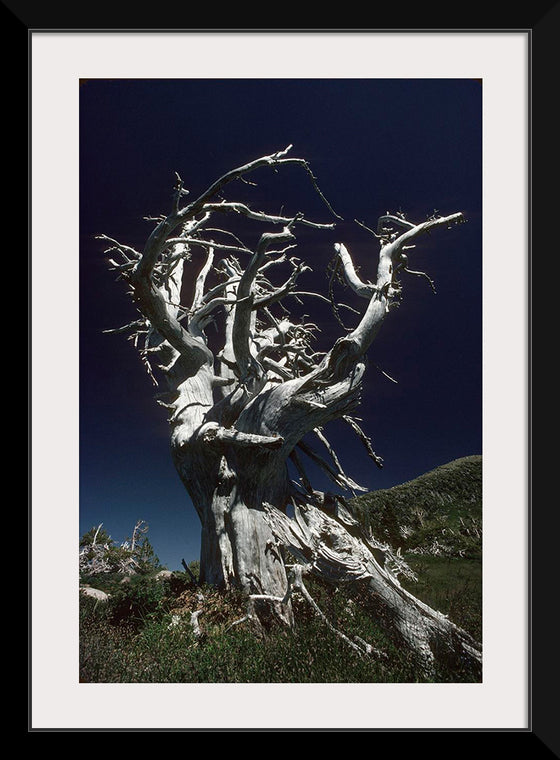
{"points": [[418, 128]]}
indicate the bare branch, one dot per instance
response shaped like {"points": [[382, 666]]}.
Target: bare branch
{"points": [[283, 290], [261, 216], [217, 289], [209, 307], [301, 471], [385, 374], [136, 325], [365, 290], [415, 231], [179, 192], [139, 528], [326, 443], [280, 260], [277, 368], [208, 244], [397, 219], [201, 280], [242, 318], [337, 476], [420, 274], [96, 534], [197, 633], [153, 303], [211, 431], [189, 572], [321, 297], [275, 159], [120, 247], [364, 439], [361, 646], [386, 288]]}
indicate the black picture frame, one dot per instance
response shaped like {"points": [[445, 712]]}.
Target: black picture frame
{"points": [[541, 24]]}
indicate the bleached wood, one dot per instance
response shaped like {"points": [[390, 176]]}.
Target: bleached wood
{"points": [[238, 412]]}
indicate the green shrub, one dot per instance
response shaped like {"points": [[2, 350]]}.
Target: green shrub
{"points": [[136, 601], [99, 554]]}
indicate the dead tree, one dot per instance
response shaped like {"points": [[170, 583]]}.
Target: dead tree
{"points": [[105, 556], [240, 408]]}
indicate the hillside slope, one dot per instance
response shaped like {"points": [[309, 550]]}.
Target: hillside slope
{"points": [[439, 513], [144, 632]]}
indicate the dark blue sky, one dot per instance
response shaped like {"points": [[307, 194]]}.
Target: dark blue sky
{"points": [[374, 146]]}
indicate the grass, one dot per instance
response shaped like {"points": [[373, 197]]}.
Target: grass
{"points": [[439, 512], [147, 647], [158, 653], [452, 586]]}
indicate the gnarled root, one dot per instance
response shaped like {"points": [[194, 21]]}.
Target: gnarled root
{"points": [[335, 548]]}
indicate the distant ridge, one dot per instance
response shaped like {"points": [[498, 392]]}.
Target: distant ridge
{"points": [[438, 513]]}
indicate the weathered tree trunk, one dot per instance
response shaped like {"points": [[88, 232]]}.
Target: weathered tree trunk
{"points": [[240, 414], [228, 484]]}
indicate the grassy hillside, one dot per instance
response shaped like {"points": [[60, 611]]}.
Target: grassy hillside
{"points": [[144, 632], [437, 514]]}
